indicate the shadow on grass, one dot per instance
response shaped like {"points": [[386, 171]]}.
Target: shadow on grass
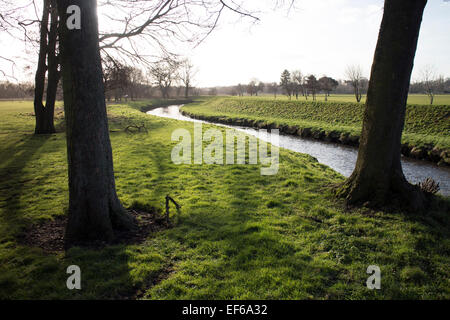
{"points": [[13, 179], [230, 242]]}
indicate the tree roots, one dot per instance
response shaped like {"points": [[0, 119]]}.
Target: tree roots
{"points": [[397, 193]]}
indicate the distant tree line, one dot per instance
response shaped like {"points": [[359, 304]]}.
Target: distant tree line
{"points": [[9, 90], [439, 86], [168, 78], [164, 79], [294, 84], [430, 84]]}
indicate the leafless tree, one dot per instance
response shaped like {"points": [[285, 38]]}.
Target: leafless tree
{"points": [[164, 74], [378, 179], [273, 88], [355, 78], [15, 23], [186, 74], [240, 90], [297, 82], [430, 81], [312, 85], [252, 88], [133, 33], [139, 33], [327, 85], [37, 25], [95, 211], [260, 87], [136, 83], [118, 79]]}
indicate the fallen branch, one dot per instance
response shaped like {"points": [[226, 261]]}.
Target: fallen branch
{"points": [[168, 200], [139, 128]]}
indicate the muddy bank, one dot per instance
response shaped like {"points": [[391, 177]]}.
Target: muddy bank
{"points": [[427, 152]]}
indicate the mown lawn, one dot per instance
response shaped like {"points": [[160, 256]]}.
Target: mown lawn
{"points": [[239, 235], [423, 99], [424, 125]]}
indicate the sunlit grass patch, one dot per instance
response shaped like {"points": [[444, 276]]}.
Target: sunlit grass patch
{"points": [[424, 124], [239, 235]]}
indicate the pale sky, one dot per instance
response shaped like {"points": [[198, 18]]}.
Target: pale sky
{"points": [[319, 37]]}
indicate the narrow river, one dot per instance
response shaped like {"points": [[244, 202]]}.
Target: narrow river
{"points": [[338, 157]]}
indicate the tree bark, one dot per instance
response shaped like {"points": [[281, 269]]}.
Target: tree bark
{"points": [[378, 178], [44, 114], [47, 51], [186, 90], [94, 208]]}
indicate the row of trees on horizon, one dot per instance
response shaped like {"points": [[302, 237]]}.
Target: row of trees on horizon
{"points": [[172, 78], [292, 84], [164, 79], [295, 84]]}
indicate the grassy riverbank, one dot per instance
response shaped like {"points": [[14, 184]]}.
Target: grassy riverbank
{"points": [[426, 134], [239, 235], [422, 99]]}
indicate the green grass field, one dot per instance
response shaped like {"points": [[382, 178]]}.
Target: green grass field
{"points": [[440, 99], [239, 235], [425, 126]]}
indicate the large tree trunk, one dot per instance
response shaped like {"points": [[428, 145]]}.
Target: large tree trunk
{"points": [[47, 51], [378, 177], [53, 63], [94, 208], [44, 114], [186, 91]]}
